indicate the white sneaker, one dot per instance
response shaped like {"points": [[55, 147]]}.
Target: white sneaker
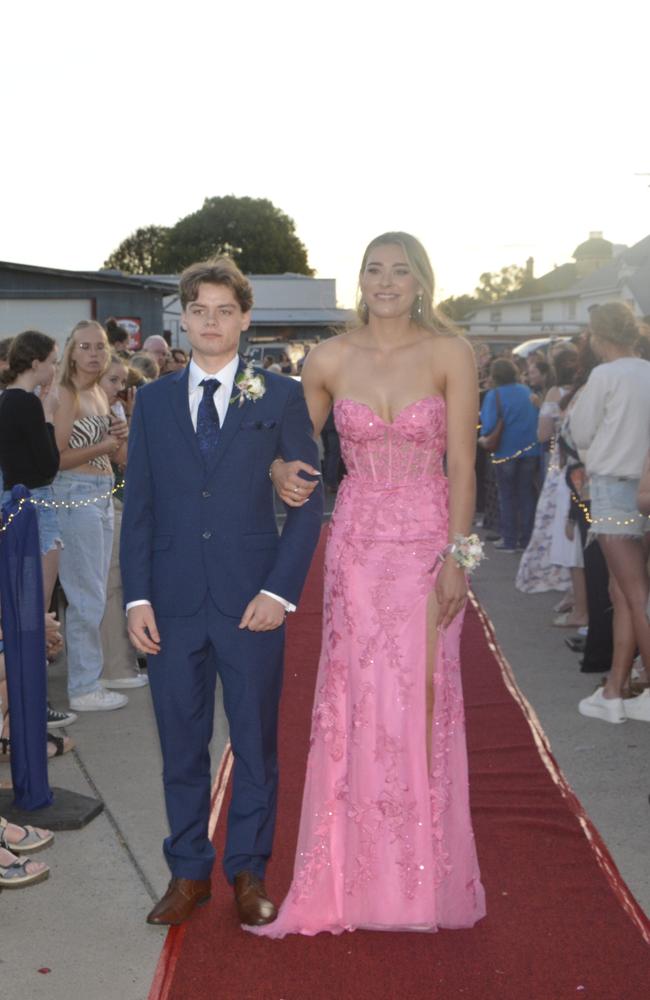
{"points": [[596, 706], [637, 673], [98, 701], [638, 708], [139, 681]]}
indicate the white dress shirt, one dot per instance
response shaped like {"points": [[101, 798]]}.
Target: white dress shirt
{"points": [[222, 397]]}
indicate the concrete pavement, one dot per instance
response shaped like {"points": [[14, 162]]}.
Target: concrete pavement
{"points": [[86, 924]]}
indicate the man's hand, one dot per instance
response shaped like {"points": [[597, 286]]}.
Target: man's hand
{"points": [[263, 614], [143, 632]]}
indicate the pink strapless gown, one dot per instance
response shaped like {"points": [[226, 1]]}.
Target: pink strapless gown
{"points": [[385, 841]]}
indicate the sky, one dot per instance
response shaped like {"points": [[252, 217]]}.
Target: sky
{"points": [[493, 132]]}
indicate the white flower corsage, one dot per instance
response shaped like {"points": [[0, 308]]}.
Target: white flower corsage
{"points": [[249, 385], [467, 550]]}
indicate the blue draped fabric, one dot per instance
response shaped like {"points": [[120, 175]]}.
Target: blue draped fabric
{"points": [[23, 626]]}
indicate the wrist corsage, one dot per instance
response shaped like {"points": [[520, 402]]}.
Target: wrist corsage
{"points": [[466, 550]]}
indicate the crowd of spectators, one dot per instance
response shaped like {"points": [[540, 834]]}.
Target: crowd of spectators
{"points": [[64, 436], [568, 436]]}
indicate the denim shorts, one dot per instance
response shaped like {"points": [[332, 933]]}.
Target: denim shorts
{"points": [[614, 508], [48, 523]]}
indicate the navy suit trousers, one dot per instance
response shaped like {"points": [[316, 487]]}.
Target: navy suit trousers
{"points": [[194, 650]]}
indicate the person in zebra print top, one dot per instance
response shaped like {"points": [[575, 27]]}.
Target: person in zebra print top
{"points": [[88, 437]]}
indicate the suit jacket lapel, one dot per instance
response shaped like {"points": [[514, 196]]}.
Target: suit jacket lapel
{"points": [[181, 408], [231, 424]]}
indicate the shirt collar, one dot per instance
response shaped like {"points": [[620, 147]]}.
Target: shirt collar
{"points": [[226, 375]]}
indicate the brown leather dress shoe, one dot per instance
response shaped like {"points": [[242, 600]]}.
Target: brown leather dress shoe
{"points": [[182, 896], [253, 905]]}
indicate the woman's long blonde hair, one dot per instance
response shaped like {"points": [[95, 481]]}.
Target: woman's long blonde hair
{"points": [[424, 313], [67, 366]]}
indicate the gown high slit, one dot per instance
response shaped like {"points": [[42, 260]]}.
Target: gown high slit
{"points": [[385, 838]]}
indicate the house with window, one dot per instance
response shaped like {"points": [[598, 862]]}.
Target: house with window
{"points": [[600, 272]]}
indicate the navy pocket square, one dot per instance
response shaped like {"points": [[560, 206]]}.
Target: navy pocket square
{"points": [[258, 425]]}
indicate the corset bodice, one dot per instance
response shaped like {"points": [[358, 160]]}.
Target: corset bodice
{"points": [[407, 451]]}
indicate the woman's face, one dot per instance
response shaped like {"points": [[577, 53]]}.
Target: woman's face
{"points": [[176, 362], [44, 370], [533, 374], [89, 353], [387, 284], [113, 382]]}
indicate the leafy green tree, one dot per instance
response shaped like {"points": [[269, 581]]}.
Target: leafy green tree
{"points": [[259, 237], [141, 252], [458, 306], [508, 282]]}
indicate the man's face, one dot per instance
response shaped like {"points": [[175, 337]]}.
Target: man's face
{"points": [[160, 352], [214, 321]]}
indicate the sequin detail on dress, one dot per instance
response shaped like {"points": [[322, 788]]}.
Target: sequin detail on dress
{"points": [[385, 839]]}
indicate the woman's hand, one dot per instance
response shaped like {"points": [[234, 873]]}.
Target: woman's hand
{"points": [[290, 487], [53, 637], [49, 399], [119, 428], [643, 498], [451, 591], [129, 400], [110, 444]]}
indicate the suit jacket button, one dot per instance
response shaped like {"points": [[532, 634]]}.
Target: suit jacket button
{"points": [[206, 494], [207, 534]]}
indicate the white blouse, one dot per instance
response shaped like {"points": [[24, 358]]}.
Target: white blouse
{"points": [[610, 420]]}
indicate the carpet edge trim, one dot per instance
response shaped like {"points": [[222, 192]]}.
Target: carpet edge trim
{"points": [[166, 967], [598, 847]]}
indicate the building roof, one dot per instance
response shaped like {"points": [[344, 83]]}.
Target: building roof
{"points": [[302, 317], [171, 280], [595, 248], [147, 282], [630, 267]]}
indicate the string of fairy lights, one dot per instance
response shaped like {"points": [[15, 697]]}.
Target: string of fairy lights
{"points": [[516, 454], [554, 466], [627, 522], [59, 504], [88, 501]]}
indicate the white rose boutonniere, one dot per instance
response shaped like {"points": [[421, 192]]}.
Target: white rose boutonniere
{"points": [[249, 385]]}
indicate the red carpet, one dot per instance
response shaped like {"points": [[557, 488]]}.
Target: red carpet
{"points": [[560, 921]]}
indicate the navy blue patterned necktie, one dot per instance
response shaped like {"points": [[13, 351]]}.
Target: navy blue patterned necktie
{"points": [[207, 418]]}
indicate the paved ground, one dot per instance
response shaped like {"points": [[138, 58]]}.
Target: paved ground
{"points": [[86, 923]]}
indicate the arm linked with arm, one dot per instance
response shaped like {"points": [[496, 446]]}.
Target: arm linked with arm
{"points": [[303, 524]]}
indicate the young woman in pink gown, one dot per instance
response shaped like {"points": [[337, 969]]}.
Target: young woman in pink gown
{"points": [[385, 837]]}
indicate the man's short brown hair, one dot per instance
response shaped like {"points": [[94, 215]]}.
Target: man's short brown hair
{"points": [[216, 271]]}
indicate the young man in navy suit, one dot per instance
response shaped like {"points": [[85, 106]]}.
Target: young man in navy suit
{"points": [[208, 581]]}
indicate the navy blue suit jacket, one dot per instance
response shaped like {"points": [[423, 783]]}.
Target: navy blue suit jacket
{"points": [[191, 528]]}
